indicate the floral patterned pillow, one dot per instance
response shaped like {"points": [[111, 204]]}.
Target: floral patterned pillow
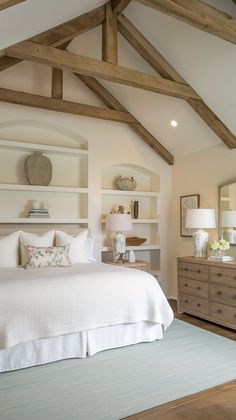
{"points": [[50, 257]]}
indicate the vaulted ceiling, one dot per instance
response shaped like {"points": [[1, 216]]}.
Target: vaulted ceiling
{"points": [[206, 62]]}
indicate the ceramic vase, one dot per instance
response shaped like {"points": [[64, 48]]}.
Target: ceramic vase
{"points": [[136, 209]]}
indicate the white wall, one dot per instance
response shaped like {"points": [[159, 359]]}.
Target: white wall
{"points": [[197, 173]]}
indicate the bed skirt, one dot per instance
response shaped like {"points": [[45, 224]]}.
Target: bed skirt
{"points": [[77, 345]]}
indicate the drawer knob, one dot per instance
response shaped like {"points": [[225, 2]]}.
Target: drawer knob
{"points": [[219, 292], [186, 284], [186, 269], [199, 271], [218, 274], [199, 304], [219, 311], [198, 288], [186, 301]]}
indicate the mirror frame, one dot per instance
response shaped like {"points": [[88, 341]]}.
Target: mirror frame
{"points": [[224, 184]]}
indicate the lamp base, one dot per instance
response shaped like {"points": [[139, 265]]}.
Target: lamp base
{"points": [[200, 239], [119, 246]]}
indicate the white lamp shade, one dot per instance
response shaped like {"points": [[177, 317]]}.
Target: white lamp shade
{"points": [[118, 222], [228, 218], [200, 218]]}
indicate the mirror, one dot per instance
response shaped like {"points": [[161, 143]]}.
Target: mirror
{"points": [[227, 211]]}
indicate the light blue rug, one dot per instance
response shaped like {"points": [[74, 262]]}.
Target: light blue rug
{"points": [[117, 383]]}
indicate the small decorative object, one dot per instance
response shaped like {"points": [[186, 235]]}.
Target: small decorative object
{"points": [[127, 184], [187, 202], [198, 219], [135, 241], [132, 258], [219, 249], [118, 223], [35, 205], [136, 209], [121, 210], [38, 169]]}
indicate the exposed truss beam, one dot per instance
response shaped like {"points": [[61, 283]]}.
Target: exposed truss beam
{"points": [[57, 83], [198, 14], [109, 36], [60, 34], [136, 126], [43, 102], [161, 65], [4, 4], [119, 5], [92, 67]]}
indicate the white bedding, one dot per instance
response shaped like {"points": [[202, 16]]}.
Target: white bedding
{"points": [[45, 303]]}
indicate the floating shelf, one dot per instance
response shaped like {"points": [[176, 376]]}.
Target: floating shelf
{"points": [[38, 220], [42, 188], [130, 193], [43, 148], [141, 221], [134, 248]]}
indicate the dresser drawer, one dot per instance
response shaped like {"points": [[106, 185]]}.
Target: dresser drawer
{"points": [[194, 304], [222, 294], [223, 275], [193, 271], [223, 313], [193, 287]]}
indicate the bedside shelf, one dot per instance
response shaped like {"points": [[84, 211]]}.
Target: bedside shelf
{"points": [[145, 221], [43, 188], [38, 220], [134, 248], [130, 193]]}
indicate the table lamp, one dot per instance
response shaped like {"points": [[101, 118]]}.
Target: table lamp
{"points": [[118, 223], [228, 220], [199, 219]]}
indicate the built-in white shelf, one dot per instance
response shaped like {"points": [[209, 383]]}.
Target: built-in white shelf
{"points": [[50, 188], [141, 221], [135, 248], [43, 148], [130, 193], [36, 220]]}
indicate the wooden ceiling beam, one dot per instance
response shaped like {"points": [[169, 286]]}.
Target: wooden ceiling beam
{"points": [[119, 5], [136, 126], [52, 104], [4, 4], [96, 68], [57, 83], [161, 65], [109, 36], [198, 14], [60, 34]]}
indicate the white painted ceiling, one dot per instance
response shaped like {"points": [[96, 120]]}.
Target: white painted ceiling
{"points": [[206, 62]]}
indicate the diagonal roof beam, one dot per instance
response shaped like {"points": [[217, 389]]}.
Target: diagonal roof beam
{"points": [[52, 104], [161, 65], [4, 4], [136, 126], [198, 14], [96, 68], [119, 5], [60, 34]]}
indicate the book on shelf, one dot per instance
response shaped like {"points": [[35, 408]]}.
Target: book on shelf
{"points": [[38, 213], [221, 258]]}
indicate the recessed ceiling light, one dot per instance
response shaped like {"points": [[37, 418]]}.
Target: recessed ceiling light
{"points": [[174, 123]]}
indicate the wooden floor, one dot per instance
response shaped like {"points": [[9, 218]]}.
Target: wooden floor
{"points": [[218, 403]]}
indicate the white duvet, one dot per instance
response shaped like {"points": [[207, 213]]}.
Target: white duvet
{"points": [[50, 302]]}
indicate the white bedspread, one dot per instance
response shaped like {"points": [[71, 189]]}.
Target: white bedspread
{"points": [[50, 302]]}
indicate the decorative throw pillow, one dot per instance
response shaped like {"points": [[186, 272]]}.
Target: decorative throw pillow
{"points": [[33, 239], [50, 257], [9, 250], [78, 245]]}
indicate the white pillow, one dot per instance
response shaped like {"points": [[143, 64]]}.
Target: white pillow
{"points": [[9, 250], [78, 245], [33, 239]]}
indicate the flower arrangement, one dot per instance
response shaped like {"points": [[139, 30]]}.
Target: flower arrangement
{"points": [[221, 245]]}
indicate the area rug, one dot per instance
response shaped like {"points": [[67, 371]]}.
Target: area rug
{"points": [[120, 382]]}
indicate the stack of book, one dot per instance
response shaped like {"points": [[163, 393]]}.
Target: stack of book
{"points": [[38, 213], [221, 258]]}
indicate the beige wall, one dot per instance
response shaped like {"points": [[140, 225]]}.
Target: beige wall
{"points": [[197, 173]]}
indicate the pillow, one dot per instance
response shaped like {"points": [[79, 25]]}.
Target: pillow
{"points": [[33, 239], [78, 245], [51, 257], [9, 250]]}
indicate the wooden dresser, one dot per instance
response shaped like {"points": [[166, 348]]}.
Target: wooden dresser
{"points": [[207, 289]]}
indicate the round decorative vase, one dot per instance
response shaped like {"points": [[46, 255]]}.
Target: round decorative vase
{"points": [[38, 169], [136, 209], [127, 184]]}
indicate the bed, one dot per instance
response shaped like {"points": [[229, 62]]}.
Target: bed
{"points": [[53, 314]]}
